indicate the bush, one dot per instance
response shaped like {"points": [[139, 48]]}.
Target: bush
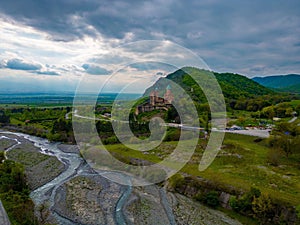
{"points": [[244, 204], [2, 157], [211, 199], [111, 140], [263, 208], [14, 194], [177, 180], [173, 134]]}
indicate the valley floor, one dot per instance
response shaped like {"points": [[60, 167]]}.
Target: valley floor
{"points": [[83, 197]]}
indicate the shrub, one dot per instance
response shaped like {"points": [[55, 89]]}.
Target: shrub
{"points": [[176, 181], [263, 207], [244, 204], [211, 199], [2, 157], [172, 135]]}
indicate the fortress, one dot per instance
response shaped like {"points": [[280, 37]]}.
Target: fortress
{"points": [[155, 102]]}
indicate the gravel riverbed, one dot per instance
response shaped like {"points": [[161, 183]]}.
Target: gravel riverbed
{"points": [[78, 195]]}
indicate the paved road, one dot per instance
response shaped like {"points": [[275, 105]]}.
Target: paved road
{"points": [[256, 133], [3, 216]]}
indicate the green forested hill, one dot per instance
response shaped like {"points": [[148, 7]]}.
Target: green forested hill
{"points": [[290, 82], [234, 86], [293, 88]]}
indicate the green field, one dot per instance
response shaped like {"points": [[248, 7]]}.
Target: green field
{"points": [[295, 103], [242, 163]]}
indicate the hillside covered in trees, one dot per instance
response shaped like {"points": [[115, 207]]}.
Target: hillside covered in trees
{"points": [[288, 83], [234, 86], [240, 92]]}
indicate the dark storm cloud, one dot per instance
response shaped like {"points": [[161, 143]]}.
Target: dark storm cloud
{"points": [[229, 35], [58, 18]]}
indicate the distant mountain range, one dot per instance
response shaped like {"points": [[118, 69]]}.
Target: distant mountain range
{"points": [[287, 83]]}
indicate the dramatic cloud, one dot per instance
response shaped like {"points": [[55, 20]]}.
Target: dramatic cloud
{"points": [[95, 70], [248, 37], [18, 64]]}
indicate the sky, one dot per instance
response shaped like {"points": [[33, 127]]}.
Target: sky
{"points": [[50, 45]]}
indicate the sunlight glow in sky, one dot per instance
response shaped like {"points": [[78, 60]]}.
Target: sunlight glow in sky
{"points": [[47, 45]]}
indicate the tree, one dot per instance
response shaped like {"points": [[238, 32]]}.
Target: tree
{"points": [[4, 118], [289, 111], [268, 112], [2, 157], [286, 143], [281, 108], [298, 109], [241, 104], [15, 194]]}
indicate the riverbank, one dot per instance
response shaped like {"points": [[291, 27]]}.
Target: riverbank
{"points": [[79, 196], [3, 216]]}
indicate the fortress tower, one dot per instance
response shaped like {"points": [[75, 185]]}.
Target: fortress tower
{"points": [[156, 102], [153, 96], [169, 97]]}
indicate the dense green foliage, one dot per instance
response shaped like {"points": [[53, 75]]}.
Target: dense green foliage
{"points": [[281, 110], [3, 117], [240, 93], [293, 88], [244, 203], [286, 139], [14, 194], [234, 86], [282, 82], [211, 199]]}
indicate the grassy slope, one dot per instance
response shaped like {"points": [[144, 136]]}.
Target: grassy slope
{"points": [[252, 169], [282, 182]]}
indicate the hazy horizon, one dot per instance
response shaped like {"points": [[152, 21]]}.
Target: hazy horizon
{"points": [[49, 46]]}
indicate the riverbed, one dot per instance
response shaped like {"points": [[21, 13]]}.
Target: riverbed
{"points": [[79, 195]]}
